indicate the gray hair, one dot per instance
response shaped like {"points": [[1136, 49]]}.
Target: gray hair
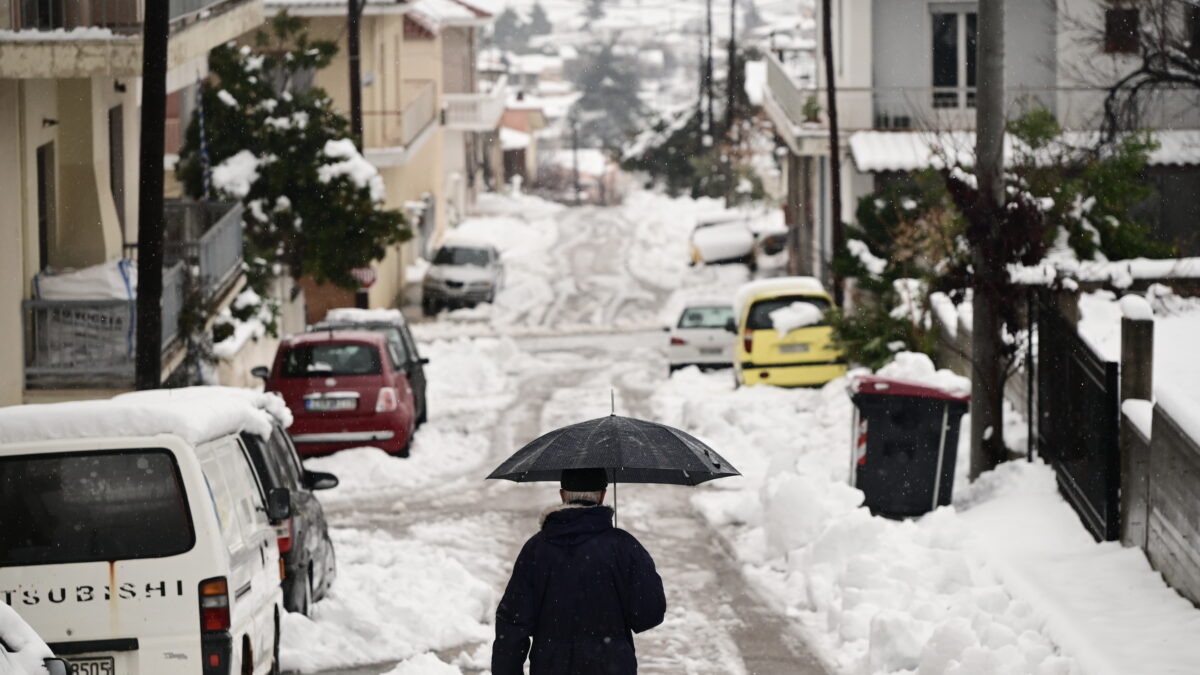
{"points": [[593, 497]]}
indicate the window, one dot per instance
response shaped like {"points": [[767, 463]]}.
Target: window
{"points": [[705, 317], [458, 255], [954, 54], [760, 312], [331, 359], [1120, 31], [90, 506]]}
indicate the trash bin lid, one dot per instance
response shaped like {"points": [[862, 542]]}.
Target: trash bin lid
{"points": [[889, 386]]}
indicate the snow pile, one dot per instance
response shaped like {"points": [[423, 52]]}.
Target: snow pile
{"points": [[872, 263], [185, 417], [425, 664], [23, 650], [236, 174], [252, 329], [1006, 582], [918, 368], [268, 402], [777, 286], [723, 242], [1136, 308], [452, 443], [353, 166], [796, 315], [394, 598]]}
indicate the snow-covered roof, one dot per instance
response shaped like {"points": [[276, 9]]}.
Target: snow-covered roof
{"points": [[776, 285], [60, 35], [511, 139], [874, 151], [330, 7], [196, 415], [434, 14]]}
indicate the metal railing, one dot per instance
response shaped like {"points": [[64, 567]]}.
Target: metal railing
{"points": [[953, 108], [120, 16], [418, 109], [208, 235], [479, 111], [92, 343]]}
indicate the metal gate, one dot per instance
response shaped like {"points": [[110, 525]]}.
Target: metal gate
{"points": [[1078, 402]]}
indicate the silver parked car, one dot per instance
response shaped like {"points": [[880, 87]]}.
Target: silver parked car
{"points": [[463, 274]]}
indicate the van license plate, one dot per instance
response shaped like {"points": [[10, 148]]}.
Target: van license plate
{"points": [[793, 349], [328, 404], [102, 665]]}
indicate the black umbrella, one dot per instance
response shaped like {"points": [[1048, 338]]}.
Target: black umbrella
{"points": [[630, 450]]}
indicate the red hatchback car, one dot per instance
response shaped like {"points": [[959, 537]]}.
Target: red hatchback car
{"points": [[346, 389]]}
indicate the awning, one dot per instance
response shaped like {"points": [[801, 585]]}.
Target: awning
{"points": [[877, 151]]}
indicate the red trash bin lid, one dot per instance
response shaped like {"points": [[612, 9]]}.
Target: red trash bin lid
{"points": [[889, 386]]}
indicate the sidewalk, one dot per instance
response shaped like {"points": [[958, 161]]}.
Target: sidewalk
{"points": [[1102, 603]]}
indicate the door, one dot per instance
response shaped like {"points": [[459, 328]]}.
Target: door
{"points": [[46, 203]]}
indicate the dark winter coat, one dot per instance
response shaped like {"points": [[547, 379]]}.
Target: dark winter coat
{"points": [[580, 589]]}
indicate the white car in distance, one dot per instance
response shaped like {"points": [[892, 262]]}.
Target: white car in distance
{"points": [[701, 337], [463, 273]]}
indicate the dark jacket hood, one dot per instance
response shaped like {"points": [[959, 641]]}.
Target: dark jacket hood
{"points": [[570, 523]]}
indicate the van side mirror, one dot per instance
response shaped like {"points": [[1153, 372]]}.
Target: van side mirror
{"points": [[319, 480], [279, 504], [261, 372], [56, 667], [731, 326]]}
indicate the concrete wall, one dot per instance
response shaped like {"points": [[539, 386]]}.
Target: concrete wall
{"points": [[12, 254]]}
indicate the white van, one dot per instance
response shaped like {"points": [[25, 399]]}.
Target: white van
{"points": [[135, 538]]}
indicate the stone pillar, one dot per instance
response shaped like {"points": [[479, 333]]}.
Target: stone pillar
{"points": [[1137, 382]]}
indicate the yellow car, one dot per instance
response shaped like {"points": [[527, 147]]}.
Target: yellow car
{"points": [[782, 335]]}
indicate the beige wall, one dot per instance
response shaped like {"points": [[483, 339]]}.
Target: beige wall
{"points": [[12, 283]]}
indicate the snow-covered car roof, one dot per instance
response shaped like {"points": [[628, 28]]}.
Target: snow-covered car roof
{"points": [[776, 286], [723, 241], [196, 417], [456, 240], [364, 316]]}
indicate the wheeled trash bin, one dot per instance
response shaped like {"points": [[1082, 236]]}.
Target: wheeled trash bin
{"points": [[904, 445]]}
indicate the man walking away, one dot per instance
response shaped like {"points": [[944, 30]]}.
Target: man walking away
{"points": [[580, 589]]}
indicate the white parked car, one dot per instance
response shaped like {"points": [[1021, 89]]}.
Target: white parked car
{"points": [[701, 336], [136, 538], [463, 273]]}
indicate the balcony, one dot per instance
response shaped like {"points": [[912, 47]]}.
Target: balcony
{"points": [[392, 137], [478, 111], [94, 38], [73, 344]]}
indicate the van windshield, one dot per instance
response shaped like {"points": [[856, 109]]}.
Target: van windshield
{"points": [[760, 312], [92, 506]]}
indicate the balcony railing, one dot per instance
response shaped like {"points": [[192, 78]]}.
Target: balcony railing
{"points": [[207, 235], [120, 16], [479, 111], [76, 344], [418, 109], [953, 108]]}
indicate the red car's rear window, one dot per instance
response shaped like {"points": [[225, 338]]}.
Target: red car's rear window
{"points": [[319, 360]]}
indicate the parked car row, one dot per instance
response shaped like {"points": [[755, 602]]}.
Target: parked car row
{"points": [[357, 378], [775, 331], [160, 532]]}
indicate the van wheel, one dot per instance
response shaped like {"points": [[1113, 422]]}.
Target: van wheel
{"points": [[275, 667]]}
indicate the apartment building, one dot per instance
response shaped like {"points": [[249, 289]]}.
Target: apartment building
{"points": [[417, 60], [70, 96], [905, 74]]}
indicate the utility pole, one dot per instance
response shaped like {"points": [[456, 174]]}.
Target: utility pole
{"points": [[987, 381], [148, 355], [732, 79], [354, 10], [708, 65], [575, 154], [835, 155]]}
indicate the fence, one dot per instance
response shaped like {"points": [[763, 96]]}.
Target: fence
{"points": [[1078, 417], [477, 111], [91, 343], [208, 235], [119, 16]]}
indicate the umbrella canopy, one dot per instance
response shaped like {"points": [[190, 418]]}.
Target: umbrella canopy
{"points": [[631, 450]]}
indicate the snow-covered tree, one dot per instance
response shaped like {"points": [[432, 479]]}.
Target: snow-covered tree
{"points": [[609, 110], [314, 204], [539, 22]]}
